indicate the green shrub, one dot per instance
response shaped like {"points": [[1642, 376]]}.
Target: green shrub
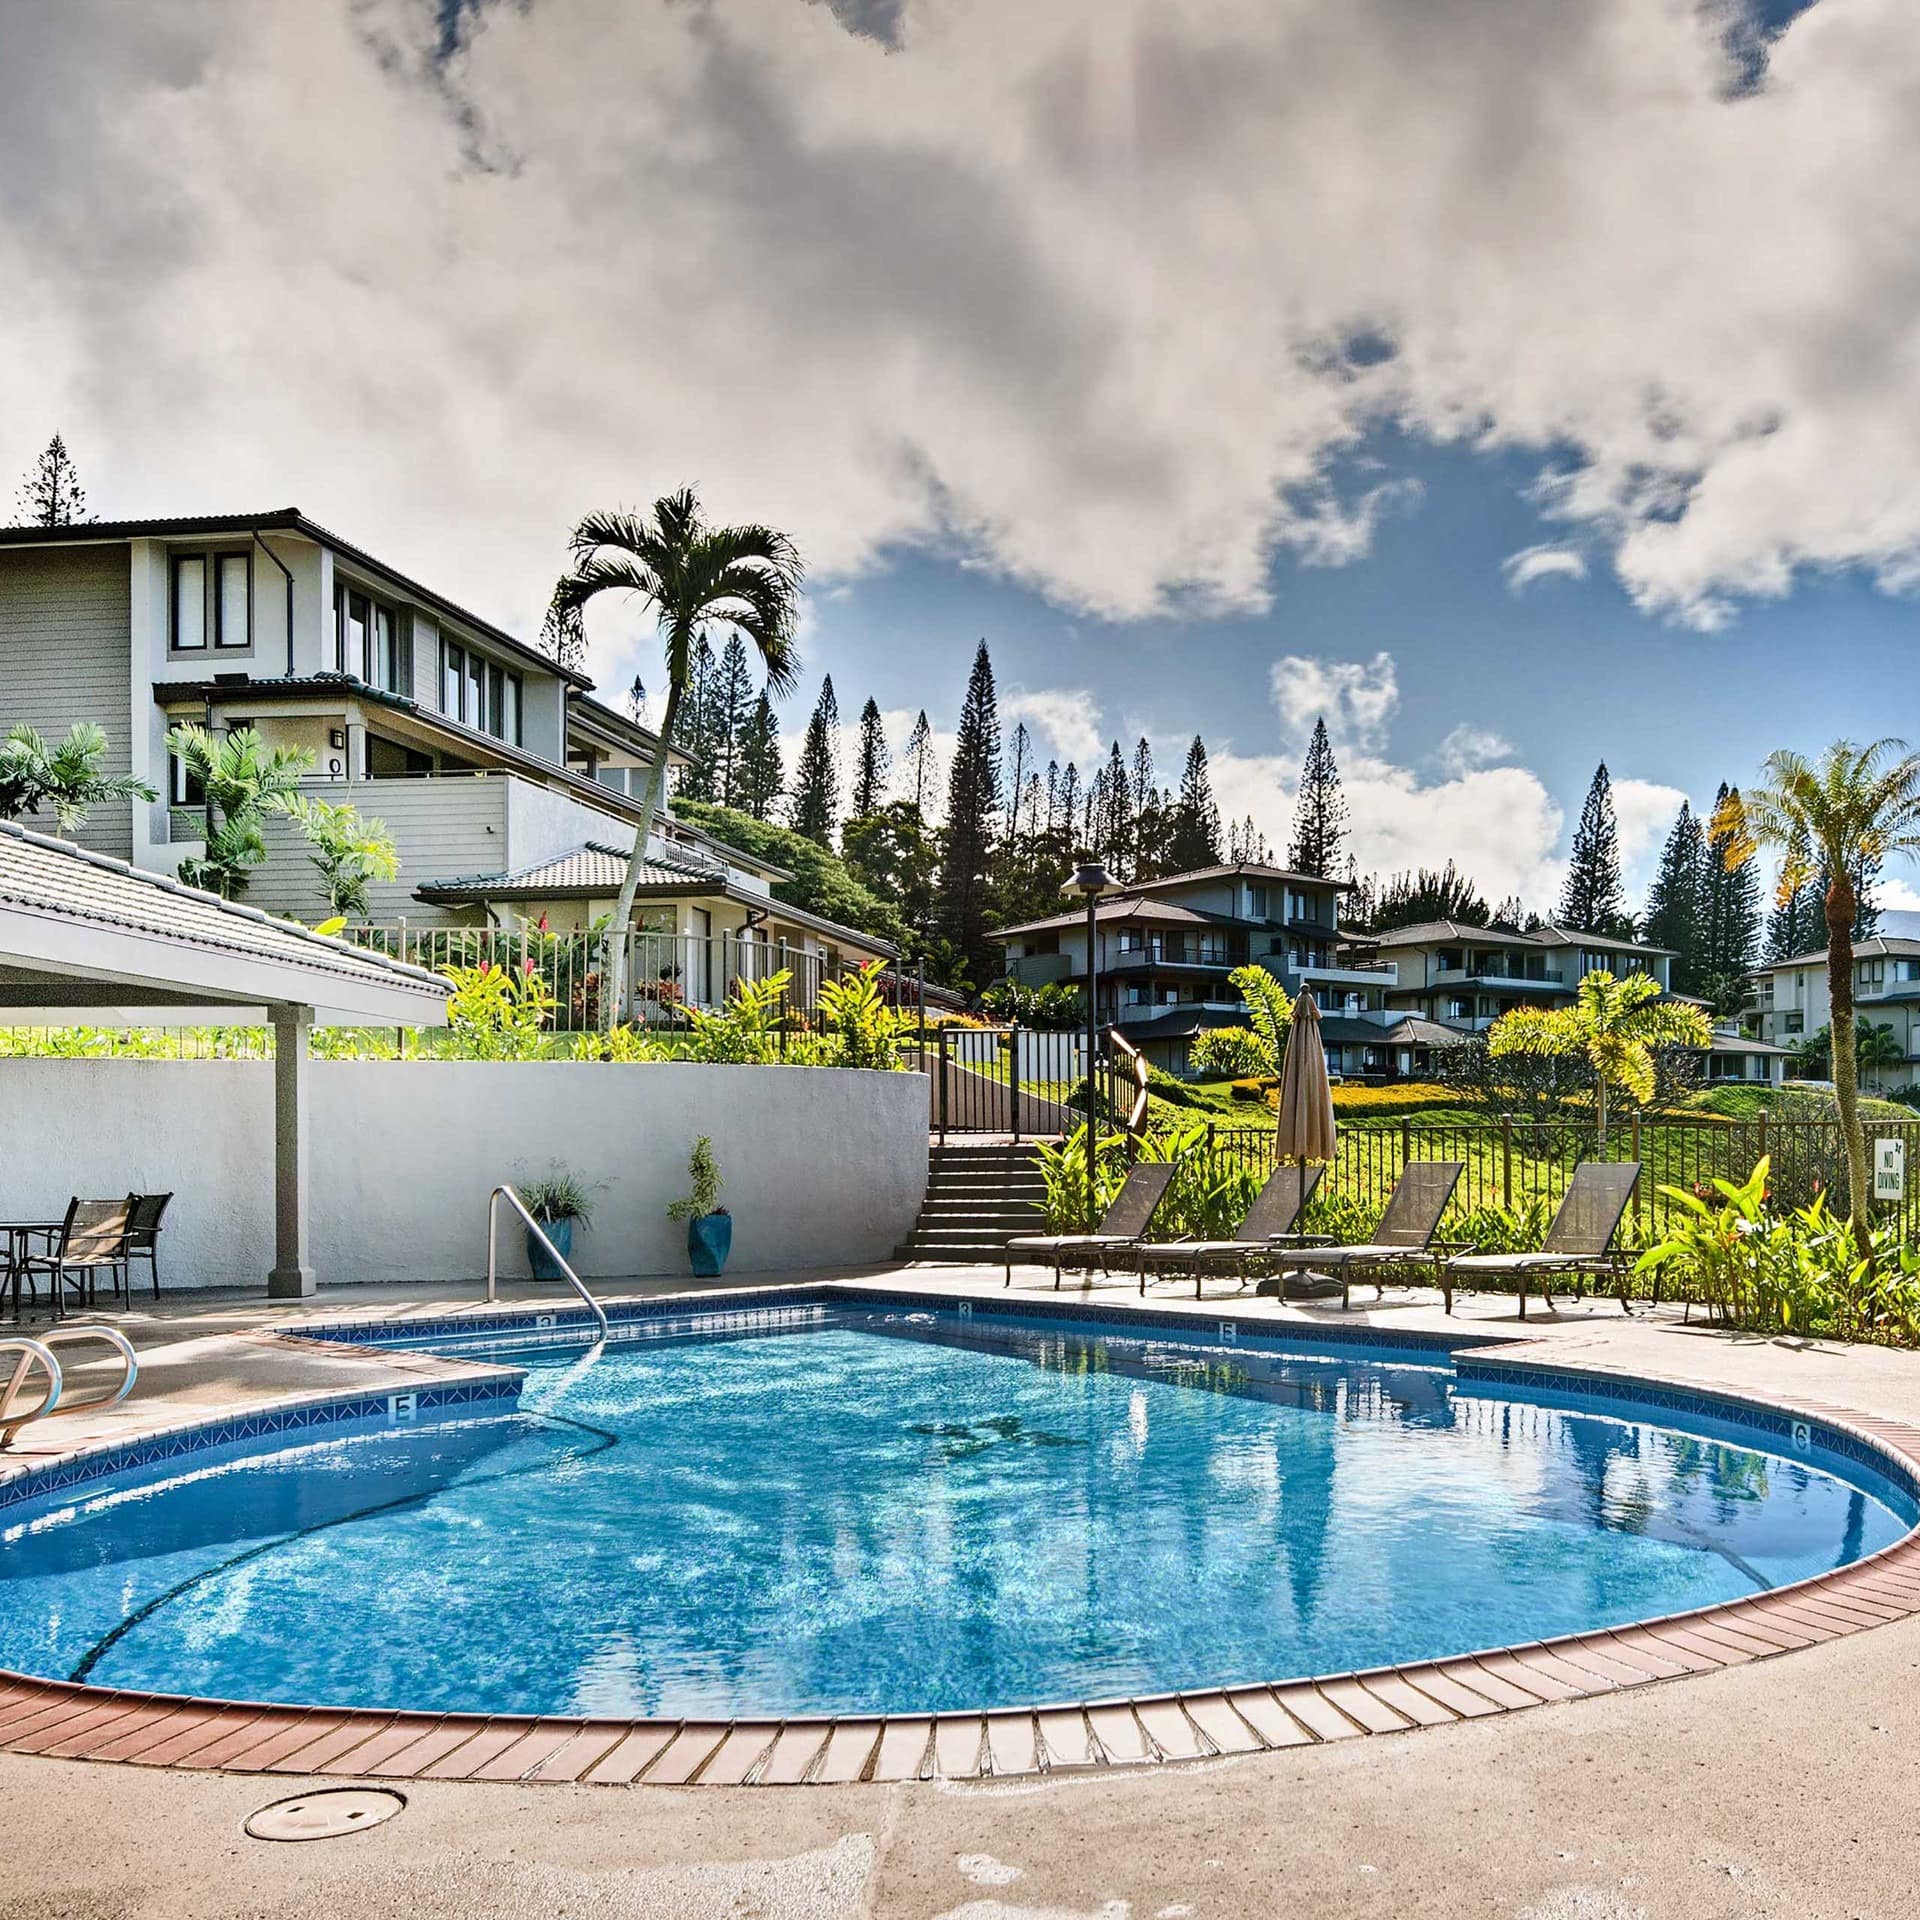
{"points": [[1231, 1053], [704, 1170]]}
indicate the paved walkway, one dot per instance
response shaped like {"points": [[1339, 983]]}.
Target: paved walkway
{"points": [[1776, 1788]]}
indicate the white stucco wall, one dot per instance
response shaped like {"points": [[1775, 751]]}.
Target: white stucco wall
{"points": [[822, 1168]]}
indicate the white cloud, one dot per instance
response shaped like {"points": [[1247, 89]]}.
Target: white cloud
{"points": [[1468, 748], [1522, 569], [1065, 722], [1040, 283], [1356, 698]]}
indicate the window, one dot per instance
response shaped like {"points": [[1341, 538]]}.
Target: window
{"points": [[386, 650], [368, 641], [1257, 903], [233, 600], [183, 784], [508, 718], [453, 680], [473, 705], [189, 603]]}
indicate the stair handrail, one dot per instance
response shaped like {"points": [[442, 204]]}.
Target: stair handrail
{"points": [[559, 1260], [27, 1354], [31, 1353]]}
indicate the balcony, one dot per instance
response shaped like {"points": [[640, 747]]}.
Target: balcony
{"points": [[1491, 973], [1169, 954], [1042, 969], [1352, 973]]}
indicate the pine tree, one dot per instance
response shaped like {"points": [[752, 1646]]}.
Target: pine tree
{"points": [[1113, 829], [1593, 899], [920, 768], [1510, 914], [1427, 893], [870, 774], [1052, 802], [637, 702], [51, 494], [1017, 778], [1678, 902], [1247, 845], [1196, 820], [973, 806], [816, 774], [1320, 812], [730, 708], [694, 733], [1070, 805], [761, 778]]}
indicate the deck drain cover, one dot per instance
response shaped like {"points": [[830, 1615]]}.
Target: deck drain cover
{"points": [[325, 1815]]}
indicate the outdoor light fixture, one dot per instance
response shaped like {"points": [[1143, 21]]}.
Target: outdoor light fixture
{"points": [[1093, 880]]}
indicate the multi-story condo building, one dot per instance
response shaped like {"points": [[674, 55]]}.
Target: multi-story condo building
{"points": [[510, 792], [1792, 1003]]}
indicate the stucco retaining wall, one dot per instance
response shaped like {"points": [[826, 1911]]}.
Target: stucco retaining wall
{"points": [[822, 1167]]}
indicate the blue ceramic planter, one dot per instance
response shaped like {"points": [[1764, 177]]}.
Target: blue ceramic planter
{"points": [[709, 1241], [560, 1232]]}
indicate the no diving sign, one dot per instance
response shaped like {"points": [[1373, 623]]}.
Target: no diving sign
{"points": [[1889, 1169]]}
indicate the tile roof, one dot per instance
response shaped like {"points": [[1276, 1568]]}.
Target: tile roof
{"points": [[1120, 909], [1427, 932], [47, 876], [1880, 947], [589, 868]]}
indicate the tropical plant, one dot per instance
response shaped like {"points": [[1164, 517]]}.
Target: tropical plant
{"points": [[1209, 1193], [65, 779], [854, 1012], [1269, 1010], [1230, 1053], [1056, 1006], [745, 1030], [704, 1170], [694, 578], [1842, 816], [348, 852], [496, 1013], [1063, 1167], [244, 780], [1878, 1050], [558, 1196], [1615, 1026]]}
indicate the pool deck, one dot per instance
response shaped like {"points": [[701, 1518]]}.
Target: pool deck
{"points": [[1755, 1785]]}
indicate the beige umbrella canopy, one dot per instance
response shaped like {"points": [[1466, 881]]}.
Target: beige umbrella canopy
{"points": [[1305, 1129]]}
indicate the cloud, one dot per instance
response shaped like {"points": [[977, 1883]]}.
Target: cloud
{"points": [[1064, 720], [1356, 698], [1520, 570], [1468, 748], [966, 272]]}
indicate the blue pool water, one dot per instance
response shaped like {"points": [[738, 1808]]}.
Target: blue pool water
{"points": [[899, 1513]]}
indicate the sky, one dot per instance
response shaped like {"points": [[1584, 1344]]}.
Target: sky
{"points": [[1516, 384]]}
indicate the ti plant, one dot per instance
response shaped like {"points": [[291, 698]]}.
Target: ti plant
{"points": [[854, 1012]]}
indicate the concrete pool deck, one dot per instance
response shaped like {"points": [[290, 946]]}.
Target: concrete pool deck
{"points": [[1756, 1788]]}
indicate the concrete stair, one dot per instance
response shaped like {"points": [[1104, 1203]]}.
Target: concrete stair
{"points": [[979, 1195]]}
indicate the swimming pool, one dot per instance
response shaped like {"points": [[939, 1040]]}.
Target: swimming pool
{"points": [[891, 1511]]}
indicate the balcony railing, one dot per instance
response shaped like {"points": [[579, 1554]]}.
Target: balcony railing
{"points": [[1496, 973], [1168, 954]]}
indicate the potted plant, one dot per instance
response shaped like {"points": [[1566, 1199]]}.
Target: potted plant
{"points": [[557, 1201], [709, 1225]]}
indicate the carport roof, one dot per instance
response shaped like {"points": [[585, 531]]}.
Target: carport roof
{"points": [[79, 930]]}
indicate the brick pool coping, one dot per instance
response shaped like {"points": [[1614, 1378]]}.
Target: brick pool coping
{"points": [[61, 1719]]}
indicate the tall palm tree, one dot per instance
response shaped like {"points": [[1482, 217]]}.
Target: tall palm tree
{"points": [[694, 577], [65, 779], [1835, 818], [1614, 1025]]}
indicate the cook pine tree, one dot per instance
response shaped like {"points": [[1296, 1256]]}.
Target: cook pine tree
{"points": [[1319, 812], [1677, 901], [1593, 900], [1195, 838], [761, 778], [973, 809], [51, 494], [816, 774], [873, 765]]}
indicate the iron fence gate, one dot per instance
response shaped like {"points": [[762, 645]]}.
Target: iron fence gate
{"points": [[1019, 1082]]}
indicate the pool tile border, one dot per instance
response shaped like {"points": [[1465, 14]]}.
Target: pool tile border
{"points": [[94, 1723]]}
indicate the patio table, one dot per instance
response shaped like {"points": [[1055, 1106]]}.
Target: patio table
{"points": [[17, 1238]]}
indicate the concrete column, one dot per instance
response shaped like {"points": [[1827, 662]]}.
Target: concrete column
{"points": [[292, 1277]]}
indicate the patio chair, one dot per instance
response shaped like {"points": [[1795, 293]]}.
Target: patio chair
{"points": [[1404, 1237], [145, 1211], [92, 1239], [1122, 1228], [1272, 1217], [1578, 1242]]}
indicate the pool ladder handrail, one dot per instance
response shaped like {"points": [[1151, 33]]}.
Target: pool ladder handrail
{"points": [[29, 1353], [559, 1259]]}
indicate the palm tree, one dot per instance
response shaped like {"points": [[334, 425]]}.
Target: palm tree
{"points": [[244, 780], [65, 779], [1837, 819], [1879, 1049], [694, 577], [1615, 1025]]}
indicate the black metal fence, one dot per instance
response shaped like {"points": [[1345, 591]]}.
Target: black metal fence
{"points": [[1512, 1161], [1018, 1082]]}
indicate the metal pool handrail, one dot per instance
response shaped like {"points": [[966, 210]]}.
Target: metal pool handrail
{"points": [[533, 1226], [29, 1353]]}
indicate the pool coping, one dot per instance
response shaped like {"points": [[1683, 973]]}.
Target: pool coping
{"points": [[70, 1720]]}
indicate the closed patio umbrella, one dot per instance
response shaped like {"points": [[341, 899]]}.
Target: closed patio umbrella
{"points": [[1304, 1128]]}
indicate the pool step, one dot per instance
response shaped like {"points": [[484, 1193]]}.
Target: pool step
{"points": [[978, 1197]]}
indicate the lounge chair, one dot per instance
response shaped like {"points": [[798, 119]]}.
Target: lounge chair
{"points": [[92, 1239], [1272, 1217], [1404, 1237], [145, 1211], [1122, 1228], [1579, 1241]]}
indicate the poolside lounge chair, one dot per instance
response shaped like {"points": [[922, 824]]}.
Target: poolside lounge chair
{"points": [[1122, 1228], [145, 1211], [1578, 1241], [1273, 1215], [1404, 1237], [92, 1239]]}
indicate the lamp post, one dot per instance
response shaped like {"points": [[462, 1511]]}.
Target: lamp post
{"points": [[1092, 879]]}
